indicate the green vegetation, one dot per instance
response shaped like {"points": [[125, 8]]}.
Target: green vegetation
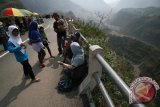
{"points": [[144, 56], [123, 68]]}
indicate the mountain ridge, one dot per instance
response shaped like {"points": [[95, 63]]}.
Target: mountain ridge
{"points": [[138, 3], [50, 6]]}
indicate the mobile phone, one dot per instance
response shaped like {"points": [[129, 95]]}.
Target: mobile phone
{"points": [[60, 62]]}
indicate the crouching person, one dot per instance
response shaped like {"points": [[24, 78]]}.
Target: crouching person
{"points": [[77, 69], [16, 46]]}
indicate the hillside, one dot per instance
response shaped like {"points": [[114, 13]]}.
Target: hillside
{"points": [[142, 23], [144, 56], [93, 5]]}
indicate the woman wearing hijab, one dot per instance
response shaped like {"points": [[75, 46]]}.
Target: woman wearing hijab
{"points": [[76, 61], [16, 46], [36, 42]]}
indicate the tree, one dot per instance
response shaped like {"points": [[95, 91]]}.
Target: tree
{"points": [[102, 17]]}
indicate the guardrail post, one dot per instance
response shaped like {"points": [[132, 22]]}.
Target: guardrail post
{"points": [[94, 66]]}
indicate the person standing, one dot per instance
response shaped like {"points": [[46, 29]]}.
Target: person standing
{"points": [[3, 36], [60, 28], [45, 40], [16, 46], [36, 42]]}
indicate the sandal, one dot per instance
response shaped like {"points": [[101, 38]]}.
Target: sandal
{"points": [[42, 66], [35, 80]]}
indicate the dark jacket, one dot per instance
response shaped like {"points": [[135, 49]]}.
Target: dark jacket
{"points": [[60, 34], [34, 35]]}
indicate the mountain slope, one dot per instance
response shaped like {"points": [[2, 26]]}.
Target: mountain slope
{"points": [[142, 23], [93, 5], [50, 6], [145, 57]]}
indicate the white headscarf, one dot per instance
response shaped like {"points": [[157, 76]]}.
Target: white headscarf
{"points": [[16, 40], [78, 54]]}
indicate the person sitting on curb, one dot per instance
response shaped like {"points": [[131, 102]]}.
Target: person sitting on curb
{"points": [[77, 61]]}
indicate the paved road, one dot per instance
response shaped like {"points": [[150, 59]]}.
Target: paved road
{"points": [[17, 92]]}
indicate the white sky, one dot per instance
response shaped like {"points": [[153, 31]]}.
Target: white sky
{"points": [[112, 2]]}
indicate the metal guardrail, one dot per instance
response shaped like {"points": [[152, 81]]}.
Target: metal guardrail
{"points": [[124, 89]]}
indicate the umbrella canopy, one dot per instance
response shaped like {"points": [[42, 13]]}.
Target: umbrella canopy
{"points": [[29, 13], [12, 12], [35, 14]]}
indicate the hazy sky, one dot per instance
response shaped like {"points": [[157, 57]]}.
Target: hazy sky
{"points": [[112, 2]]}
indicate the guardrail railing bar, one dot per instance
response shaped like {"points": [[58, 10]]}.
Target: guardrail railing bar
{"points": [[85, 40], [105, 94], [113, 75], [116, 79]]}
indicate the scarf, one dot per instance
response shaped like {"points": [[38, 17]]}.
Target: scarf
{"points": [[16, 40]]}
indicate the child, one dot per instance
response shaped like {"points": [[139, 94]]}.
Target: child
{"points": [[45, 40], [16, 46], [67, 50], [36, 42]]}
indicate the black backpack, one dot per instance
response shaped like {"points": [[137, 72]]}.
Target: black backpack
{"points": [[65, 85]]}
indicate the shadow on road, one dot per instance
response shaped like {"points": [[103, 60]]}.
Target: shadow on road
{"points": [[36, 68], [54, 62], [13, 93]]}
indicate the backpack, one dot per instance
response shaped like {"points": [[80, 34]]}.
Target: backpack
{"points": [[65, 85]]}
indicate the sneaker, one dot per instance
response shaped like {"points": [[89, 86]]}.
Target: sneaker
{"points": [[35, 80]]}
